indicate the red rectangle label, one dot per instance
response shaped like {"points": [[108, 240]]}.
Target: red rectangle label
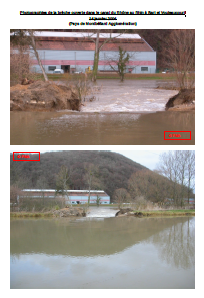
{"points": [[26, 156], [177, 135]]}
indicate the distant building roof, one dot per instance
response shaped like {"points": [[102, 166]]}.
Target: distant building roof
{"points": [[84, 34], [80, 41], [53, 190]]}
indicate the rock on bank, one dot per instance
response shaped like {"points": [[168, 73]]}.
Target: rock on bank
{"points": [[43, 96], [128, 212]]}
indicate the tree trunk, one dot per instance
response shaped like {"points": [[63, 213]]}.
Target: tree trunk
{"points": [[36, 54], [96, 58]]}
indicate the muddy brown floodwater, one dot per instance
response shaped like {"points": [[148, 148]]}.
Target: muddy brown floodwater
{"points": [[103, 253], [129, 113], [72, 128]]}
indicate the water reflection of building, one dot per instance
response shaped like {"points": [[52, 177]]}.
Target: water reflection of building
{"points": [[73, 196]]}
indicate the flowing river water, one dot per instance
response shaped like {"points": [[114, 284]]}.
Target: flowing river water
{"points": [[102, 251], [128, 113]]}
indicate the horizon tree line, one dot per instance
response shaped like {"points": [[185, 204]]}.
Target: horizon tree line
{"points": [[171, 183]]}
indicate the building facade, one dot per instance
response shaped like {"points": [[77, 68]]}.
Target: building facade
{"points": [[74, 52], [74, 196]]}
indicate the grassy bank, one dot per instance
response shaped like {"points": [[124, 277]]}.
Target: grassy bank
{"points": [[179, 212], [108, 76], [30, 214], [128, 76], [134, 76], [153, 213]]}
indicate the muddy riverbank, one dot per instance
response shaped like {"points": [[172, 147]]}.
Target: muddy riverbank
{"points": [[43, 96], [183, 101], [129, 113], [108, 96]]}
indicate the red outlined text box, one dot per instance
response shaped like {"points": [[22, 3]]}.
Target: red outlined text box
{"points": [[22, 156], [177, 135]]}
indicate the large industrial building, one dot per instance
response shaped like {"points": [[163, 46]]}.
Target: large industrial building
{"points": [[74, 196], [74, 52]]}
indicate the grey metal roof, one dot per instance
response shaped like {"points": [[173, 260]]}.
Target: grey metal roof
{"points": [[85, 34], [69, 190]]}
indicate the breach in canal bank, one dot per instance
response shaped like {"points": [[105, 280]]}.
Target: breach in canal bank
{"points": [[49, 96]]}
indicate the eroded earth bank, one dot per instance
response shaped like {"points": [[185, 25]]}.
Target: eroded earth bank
{"points": [[113, 97], [43, 96]]}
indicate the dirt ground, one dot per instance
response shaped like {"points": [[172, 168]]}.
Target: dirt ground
{"points": [[43, 96], [48, 96], [183, 101]]}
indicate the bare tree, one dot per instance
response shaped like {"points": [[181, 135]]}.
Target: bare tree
{"points": [[19, 64], [91, 178], [19, 55], [98, 199], [121, 196], [63, 182], [41, 184], [148, 185], [182, 160], [15, 192], [186, 160], [25, 38], [179, 167], [190, 172], [33, 44], [138, 184], [119, 63], [168, 167], [180, 55], [98, 47]]}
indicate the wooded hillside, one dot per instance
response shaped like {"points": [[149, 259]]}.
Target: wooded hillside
{"points": [[104, 170], [114, 170]]}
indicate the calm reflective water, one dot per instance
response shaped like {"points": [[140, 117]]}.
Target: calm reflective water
{"points": [[76, 128], [108, 253]]}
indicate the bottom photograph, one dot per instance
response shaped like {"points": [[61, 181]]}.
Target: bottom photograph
{"points": [[102, 219]]}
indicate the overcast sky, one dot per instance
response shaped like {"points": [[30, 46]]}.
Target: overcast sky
{"points": [[147, 158]]}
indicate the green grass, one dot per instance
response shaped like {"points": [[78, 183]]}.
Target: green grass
{"points": [[154, 76], [30, 214], [153, 213], [69, 77], [108, 76], [137, 77], [179, 212]]}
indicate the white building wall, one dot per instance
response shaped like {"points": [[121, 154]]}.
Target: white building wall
{"points": [[83, 59], [84, 199]]}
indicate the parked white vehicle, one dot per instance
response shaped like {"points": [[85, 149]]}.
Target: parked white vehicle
{"points": [[58, 70]]}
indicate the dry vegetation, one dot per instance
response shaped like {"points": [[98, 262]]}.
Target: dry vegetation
{"points": [[124, 180]]}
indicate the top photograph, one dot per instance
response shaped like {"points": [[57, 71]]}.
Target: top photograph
{"points": [[102, 87]]}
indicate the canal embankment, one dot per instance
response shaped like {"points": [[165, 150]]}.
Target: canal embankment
{"points": [[105, 95], [102, 212]]}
